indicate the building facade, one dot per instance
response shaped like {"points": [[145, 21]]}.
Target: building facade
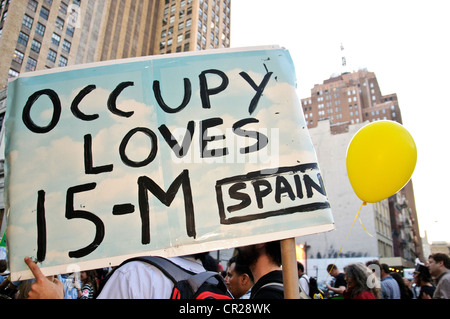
{"points": [[36, 35], [193, 25], [40, 34], [350, 98]]}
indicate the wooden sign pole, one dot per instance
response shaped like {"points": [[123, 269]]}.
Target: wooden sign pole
{"points": [[290, 273]]}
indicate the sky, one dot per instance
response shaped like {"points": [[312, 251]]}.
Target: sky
{"points": [[404, 42]]}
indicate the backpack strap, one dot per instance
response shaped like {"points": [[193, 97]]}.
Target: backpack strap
{"points": [[171, 270], [195, 281], [276, 286], [176, 273]]}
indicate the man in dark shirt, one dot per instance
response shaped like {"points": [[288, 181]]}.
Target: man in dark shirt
{"points": [[264, 261], [339, 284]]}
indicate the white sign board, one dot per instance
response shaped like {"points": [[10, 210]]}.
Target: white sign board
{"points": [[162, 155]]}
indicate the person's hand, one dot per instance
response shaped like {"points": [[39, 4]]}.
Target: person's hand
{"points": [[43, 287], [76, 284]]}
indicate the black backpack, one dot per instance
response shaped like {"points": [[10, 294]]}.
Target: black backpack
{"points": [[187, 284], [314, 291]]}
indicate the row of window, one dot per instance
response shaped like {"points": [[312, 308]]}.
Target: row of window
{"points": [[36, 44], [322, 114], [31, 62], [170, 10]]}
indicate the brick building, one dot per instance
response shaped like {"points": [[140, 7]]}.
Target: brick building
{"points": [[350, 98]]}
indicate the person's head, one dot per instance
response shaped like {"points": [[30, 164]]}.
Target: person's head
{"points": [[333, 270], [421, 275], [239, 278], [300, 269], [385, 272], [357, 278], [88, 276], [249, 255], [438, 263], [3, 266]]}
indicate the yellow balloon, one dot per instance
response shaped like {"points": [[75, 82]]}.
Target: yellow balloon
{"points": [[381, 158]]}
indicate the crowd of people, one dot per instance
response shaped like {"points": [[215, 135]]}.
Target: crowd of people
{"points": [[255, 272]]}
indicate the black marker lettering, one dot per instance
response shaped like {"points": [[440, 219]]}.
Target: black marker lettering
{"points": [[76, 101], [41, 227], [261, 139], [123, 209], [88, 162], [164, 106], [179, 151], [151, 155], [310, 184], [260, 193], [259, 89], [147, 184], [72, 213], [234, 193], [298, 186], [282, 186], [206, 92], [112, 99], [205, 138], [26, 118]]}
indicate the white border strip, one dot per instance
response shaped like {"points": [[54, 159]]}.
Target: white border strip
{"points": [[176, 251]]}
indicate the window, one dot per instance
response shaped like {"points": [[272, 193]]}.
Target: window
{"points": [[59, 23], [32, 5], [63, 8], [13, 73], [44, 13], [36, 46], [18, 56], [51, 56], [40, 29], [62, 61], [66, 46], [23, 38], [70, 30], [27, 21], [31, 64], [56, 39]]}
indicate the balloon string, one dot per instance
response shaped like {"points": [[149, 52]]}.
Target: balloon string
{"points": [[353, 223], [360, 221]]}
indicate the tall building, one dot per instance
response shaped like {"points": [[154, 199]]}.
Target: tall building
{"points": [[35, 35], [350, 98], [116, 29], [192, 25], [127, 29]]}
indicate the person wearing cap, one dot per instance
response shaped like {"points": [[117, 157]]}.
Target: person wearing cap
{"points": [[423, 279]]}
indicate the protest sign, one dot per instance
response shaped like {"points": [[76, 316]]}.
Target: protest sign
{"points": [[161, 155]]}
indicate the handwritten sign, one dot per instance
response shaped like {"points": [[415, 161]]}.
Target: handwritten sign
{"points": [[166, 155]]}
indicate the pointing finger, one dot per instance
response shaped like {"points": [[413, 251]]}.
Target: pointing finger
{"points": [[34, 269]]}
